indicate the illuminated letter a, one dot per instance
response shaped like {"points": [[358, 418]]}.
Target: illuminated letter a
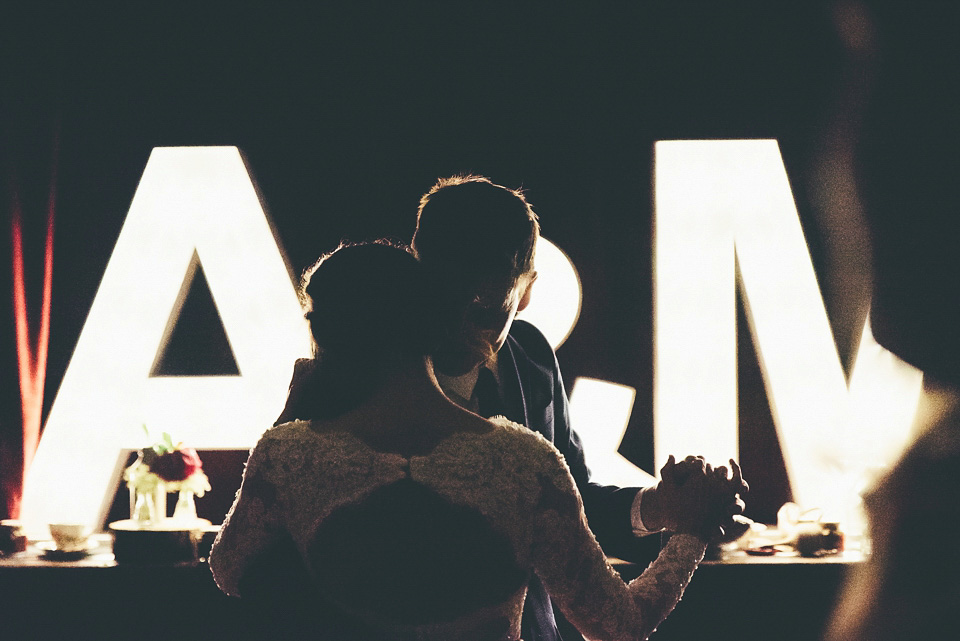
{"points": [[192, 204]]}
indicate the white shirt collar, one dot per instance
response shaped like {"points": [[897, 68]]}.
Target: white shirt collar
{"points": [[459, 389]]}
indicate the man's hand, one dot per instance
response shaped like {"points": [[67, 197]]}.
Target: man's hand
{"points": [[727, 491]]}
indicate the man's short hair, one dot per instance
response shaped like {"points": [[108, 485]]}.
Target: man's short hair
{"points": [[476, 234]]}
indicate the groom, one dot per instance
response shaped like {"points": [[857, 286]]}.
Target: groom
{"points": [[478, 240]]}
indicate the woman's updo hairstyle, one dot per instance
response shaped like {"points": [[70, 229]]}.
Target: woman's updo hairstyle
{"points": [[369, 311]]}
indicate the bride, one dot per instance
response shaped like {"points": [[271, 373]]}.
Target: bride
{"points": [[396, 514]]}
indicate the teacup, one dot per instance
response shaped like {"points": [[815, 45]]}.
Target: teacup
{"points": [[12, 538], [70, 537]]}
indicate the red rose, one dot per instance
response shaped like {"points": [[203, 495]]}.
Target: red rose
{"points": [[177, 465]]}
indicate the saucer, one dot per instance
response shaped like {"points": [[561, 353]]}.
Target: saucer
{"points": [[51, 552]]}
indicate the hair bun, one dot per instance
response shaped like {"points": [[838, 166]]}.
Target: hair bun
{"points": [[369, 296]]}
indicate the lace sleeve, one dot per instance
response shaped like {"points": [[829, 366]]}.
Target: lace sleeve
{"points": [[251, 527], [578, 577]]}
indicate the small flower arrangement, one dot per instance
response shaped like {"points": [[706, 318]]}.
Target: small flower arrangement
{"points": [[176, 467]]}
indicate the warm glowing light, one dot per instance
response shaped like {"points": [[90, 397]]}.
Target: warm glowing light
{"points": [[555, 303], [600, 412], [724, 207], [723, 210], [190, 199], [32, 366], [884, 395]]}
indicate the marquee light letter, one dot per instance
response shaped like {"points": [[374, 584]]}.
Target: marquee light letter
{"points": [[600, 412], [724, 208], [190, 199], [555, 303]]}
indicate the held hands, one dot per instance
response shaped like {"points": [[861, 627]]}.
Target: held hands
{"points": [[696, 498]]}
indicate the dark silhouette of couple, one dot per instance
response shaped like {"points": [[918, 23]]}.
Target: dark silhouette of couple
{"points": [[423, 481]]}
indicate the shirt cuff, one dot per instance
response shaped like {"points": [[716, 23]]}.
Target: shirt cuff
{"points": [[639, 529]]}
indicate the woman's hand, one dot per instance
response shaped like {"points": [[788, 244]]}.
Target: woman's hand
{"points": [[707, 498], [683, 489]]}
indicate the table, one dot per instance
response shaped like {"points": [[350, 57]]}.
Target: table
{"points": [[97, 598], [740, 597], [785, 597]]}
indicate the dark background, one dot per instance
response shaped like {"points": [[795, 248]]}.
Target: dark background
{"points": [[347, 115]]}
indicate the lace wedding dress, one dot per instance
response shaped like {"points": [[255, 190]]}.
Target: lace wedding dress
{"points": [[440, 546]]}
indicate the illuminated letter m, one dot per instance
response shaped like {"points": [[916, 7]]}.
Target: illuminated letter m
{"points": [[724, 209]]}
